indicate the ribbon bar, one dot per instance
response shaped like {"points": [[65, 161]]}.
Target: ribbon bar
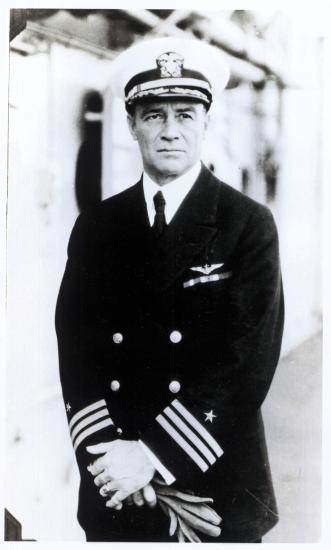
{"points": [[207, 279]]}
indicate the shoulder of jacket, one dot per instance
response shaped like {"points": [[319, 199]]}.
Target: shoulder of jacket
{"points": [[238, 204], [108, 209], [123, 196]]}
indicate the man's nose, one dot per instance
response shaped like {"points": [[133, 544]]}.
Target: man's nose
{"points": [[170, 129]]}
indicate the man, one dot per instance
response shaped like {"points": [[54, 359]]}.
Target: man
{"points": [[169, 321]]}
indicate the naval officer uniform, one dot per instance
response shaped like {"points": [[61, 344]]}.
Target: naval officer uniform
{"points": [[173, 339]]}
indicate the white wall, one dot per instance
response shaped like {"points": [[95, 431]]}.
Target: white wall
{"points": [[46, 91], [299, 205]]}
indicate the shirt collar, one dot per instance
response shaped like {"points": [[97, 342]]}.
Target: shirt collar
{"points": [[174, 192]]}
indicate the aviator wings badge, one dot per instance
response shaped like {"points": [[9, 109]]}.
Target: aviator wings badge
{"points": [[207, 268]]}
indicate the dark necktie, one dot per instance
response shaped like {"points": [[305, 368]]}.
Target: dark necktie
{"points": [[159, 219]]}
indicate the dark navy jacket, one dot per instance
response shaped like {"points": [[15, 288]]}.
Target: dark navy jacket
{"points": [[154, 334]]}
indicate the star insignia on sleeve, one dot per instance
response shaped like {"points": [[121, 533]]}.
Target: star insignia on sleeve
{"points": [[210, 416], [68, 407]]}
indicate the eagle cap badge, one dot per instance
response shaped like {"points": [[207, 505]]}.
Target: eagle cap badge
{"points": [[170, 64]]}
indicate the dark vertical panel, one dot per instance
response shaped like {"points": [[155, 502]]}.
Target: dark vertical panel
{"points": [[88, 166]]}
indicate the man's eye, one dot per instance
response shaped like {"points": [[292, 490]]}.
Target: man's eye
{"points": [[154, 116], [185, 116]]}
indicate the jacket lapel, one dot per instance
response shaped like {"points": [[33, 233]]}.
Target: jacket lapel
{"points": [[189, 232]]}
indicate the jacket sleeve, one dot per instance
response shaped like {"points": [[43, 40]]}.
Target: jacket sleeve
{"points": [[82, 385], [221, 401]]}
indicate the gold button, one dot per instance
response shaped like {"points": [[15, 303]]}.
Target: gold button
{"points": [[115, 385], [175, 336], [117, 338], [174, 386]]}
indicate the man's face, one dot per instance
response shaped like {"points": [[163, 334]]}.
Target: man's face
{"points": [[170, 136]]}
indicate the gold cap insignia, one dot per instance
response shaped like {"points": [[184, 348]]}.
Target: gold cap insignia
{"points": [[170, 64]]}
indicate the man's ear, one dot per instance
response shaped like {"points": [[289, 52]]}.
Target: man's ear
{"points": [[132, 126]]}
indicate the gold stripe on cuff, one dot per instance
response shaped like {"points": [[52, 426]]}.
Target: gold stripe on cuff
{"points": [[86, 410], [91, 430], [198, 427], [88, 420], [182, 443], [190, 435]]}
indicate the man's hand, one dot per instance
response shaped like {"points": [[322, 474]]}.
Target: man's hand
{"points": [[123, 469], [147, 495]]}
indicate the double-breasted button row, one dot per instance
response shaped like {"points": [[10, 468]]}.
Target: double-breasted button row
{"points": [[117, 338], [115, 385], [174, 386], [175, 337]]}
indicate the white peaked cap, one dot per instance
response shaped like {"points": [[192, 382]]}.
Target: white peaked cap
{"points": [[169, 67]]}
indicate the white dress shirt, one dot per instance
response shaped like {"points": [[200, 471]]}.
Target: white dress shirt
{"points": [[174, 193]]}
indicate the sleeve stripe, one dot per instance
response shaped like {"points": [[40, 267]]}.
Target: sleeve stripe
{"points": [[182, 443], [198, 427], [86, 410], [88, 420], [92, 429], [190, 435]]}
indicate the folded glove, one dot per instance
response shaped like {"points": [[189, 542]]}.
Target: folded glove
{"points": [[188, 513]]}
